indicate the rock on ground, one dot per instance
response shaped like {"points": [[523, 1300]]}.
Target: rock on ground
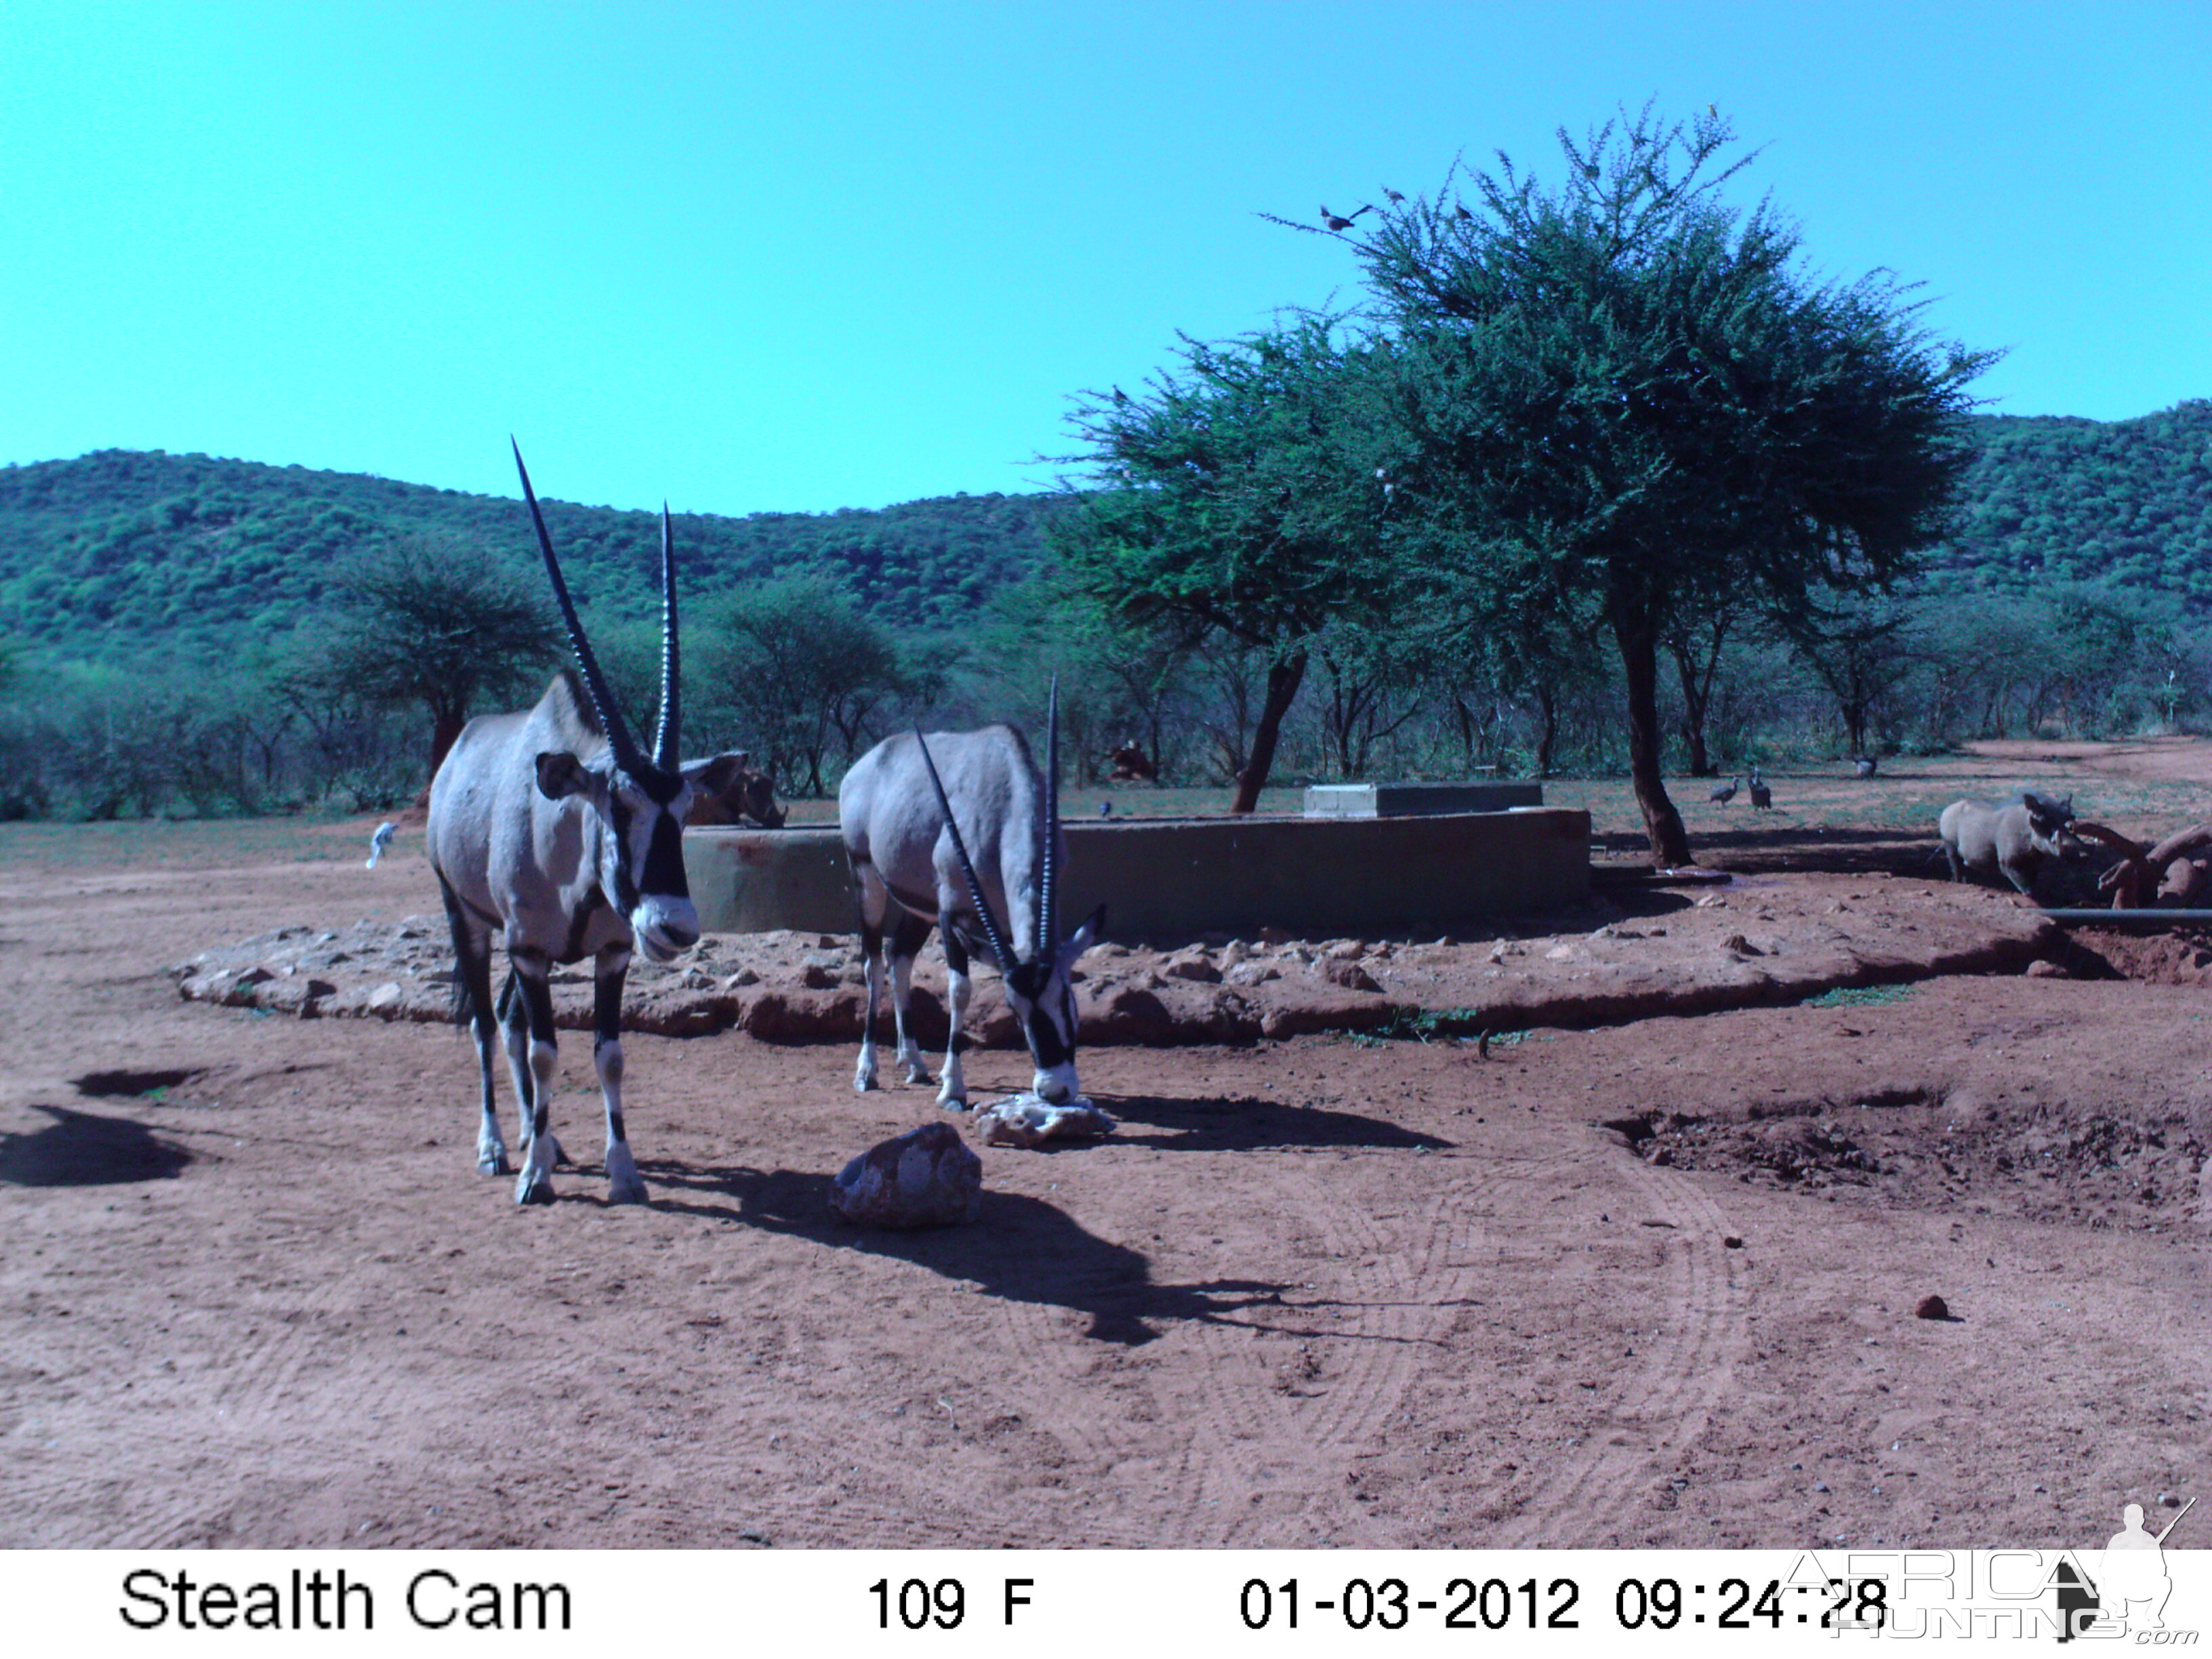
{"points": [[926, 1177]]}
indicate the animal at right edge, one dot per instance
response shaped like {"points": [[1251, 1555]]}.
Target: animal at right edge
{"points": [[958, 849], [2012, 838]]}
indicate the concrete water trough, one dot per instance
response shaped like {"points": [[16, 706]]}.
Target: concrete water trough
{"points": [[1163, 879]]}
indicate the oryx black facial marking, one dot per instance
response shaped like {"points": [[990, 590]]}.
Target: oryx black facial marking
{"points": [[556, 829], [960, 830]]}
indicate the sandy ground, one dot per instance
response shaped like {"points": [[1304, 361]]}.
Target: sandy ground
{"points": [[1652, 1281]]}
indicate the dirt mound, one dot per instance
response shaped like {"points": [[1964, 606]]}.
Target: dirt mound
{"points": [[2179, 955], [1913, 1145]]}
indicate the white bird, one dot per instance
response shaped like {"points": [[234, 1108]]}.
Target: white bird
{"points": [[379, 841]]}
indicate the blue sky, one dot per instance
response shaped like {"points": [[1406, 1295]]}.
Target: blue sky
{"points": [[798, 258]]}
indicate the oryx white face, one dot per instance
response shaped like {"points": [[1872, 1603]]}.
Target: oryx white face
{"points": [[641, 815], [1042, 994]]}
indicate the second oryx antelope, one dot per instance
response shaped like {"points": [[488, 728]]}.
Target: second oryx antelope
{"points": [[554, 829], [959, 847]]}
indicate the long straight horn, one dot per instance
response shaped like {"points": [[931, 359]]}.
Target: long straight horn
{"points": [[999, 954], [1048, 908], [595, 682], [665, 743]]}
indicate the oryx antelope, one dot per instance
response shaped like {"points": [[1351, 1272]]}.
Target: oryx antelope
{"points": [[957, 830], [554, 828]]}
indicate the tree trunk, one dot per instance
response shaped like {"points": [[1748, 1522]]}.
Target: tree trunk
{"points": [[448, 727], [1639, 661], [1283, 680], [1697, 698], [1547, 700]]}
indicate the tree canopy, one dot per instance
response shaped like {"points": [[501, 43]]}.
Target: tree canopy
{"points": [[438, 624], [1621, 392], [1239, 496]]}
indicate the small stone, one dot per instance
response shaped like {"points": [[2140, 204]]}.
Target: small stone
{"points": [[385, 997], [1192, 965], [1348, 949], [1731, 1242], [2042, 969], [739, 980], [2168, 1500], [1737, 945], [1931, 1307], [1560, 953], [926, 1177], [1349, 975], [820, 977]]}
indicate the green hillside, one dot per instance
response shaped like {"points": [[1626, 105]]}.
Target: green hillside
{"points": [[118, 553], [2125, 501]]}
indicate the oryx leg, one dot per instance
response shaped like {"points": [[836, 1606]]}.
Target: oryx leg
{"points": [[952, 1092], [530, 1032], [908, 933], [624, 1184], [472, 973], [872, 899], [514, 1028]]}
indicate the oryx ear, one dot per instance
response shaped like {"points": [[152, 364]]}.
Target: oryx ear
{"points": [[711, 777], [560, 774], [1083, 937]]}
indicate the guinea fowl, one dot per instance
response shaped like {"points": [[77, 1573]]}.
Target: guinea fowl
{"points": [[1724, 793]]}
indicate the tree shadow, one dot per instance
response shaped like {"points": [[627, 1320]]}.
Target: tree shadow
{"points": [[1018, 1249], [84, 1148], [1244, 1123], [1773, 848]]}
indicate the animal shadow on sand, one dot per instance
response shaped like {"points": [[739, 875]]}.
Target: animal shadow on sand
{"points": [[1019, 1249], [86, 1149], [1246, 1123]]}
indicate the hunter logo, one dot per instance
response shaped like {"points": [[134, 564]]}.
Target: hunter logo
{"points": [[2129, 1595]]}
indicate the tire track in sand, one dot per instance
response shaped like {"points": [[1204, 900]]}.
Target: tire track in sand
{"points": [[1391, 1275], [1683, 1372]]}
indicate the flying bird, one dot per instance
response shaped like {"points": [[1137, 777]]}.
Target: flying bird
{"points": [[1338, 222], [379, 841]]}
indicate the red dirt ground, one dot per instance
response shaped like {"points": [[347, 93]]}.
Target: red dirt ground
{"points": [[1648, 1283]]}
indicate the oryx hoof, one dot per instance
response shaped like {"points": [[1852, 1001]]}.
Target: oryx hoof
{"points": [[493, 1161], [532, 1191], [863, 1082], [952, 1102], [919, 1076], [631, 1191]]}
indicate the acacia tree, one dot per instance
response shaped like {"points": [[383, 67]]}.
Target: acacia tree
{"points": [[442, 624], [1862, 654], [1621, 392], [1238, 498], [791, 668]]}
